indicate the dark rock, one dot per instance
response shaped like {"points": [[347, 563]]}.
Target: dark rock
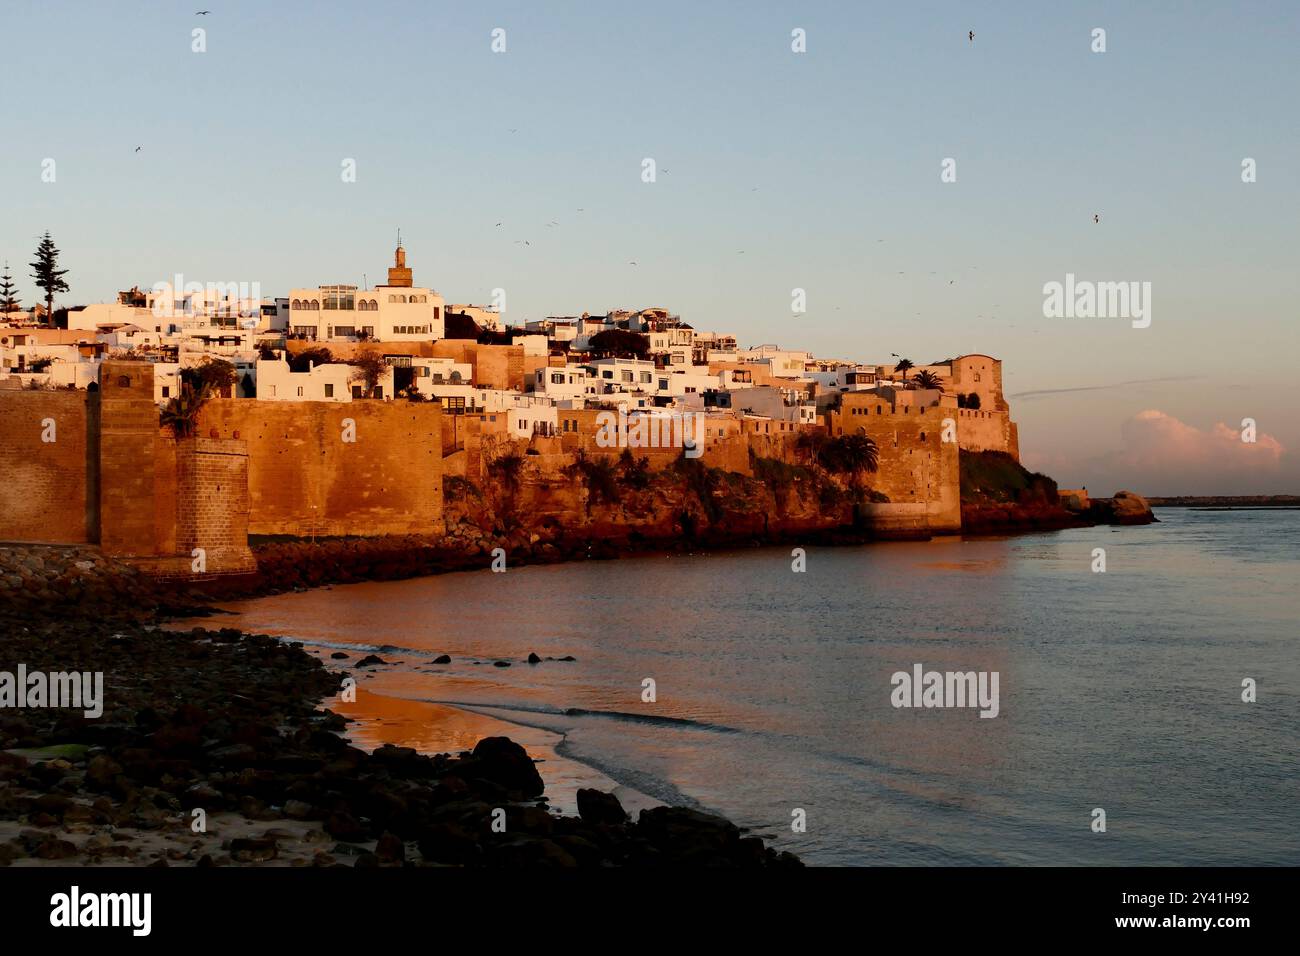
{"points": [[339, 656], [390, 849], [253, 850], [597, 807], [501, 761], [370, 659], [500, 663], [344, 826], [442, 659]]}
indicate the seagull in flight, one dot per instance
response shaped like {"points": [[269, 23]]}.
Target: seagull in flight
{"points": [[496, 226], [1096, 218], [632, 263], [138, 148], [201, 13], [972, 36]]}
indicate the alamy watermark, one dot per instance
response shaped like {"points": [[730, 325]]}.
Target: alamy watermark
{"points": [[922, 688], [674, 430], [82, 691], [180, 298], [1085, 299]]}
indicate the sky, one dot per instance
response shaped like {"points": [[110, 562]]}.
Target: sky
{"points": [[776, 170]]}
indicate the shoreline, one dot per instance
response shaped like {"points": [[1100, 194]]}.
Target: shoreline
{"points": [[254, 749], [256, 764], [295, 563]]}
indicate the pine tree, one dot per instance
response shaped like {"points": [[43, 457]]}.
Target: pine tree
{"points": [[8, 301], [47, 275]]}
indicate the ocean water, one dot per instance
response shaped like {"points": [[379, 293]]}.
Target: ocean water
{"points": [[1119, 690]]}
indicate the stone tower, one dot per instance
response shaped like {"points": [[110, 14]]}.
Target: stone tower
{"points": [[399, 275]]}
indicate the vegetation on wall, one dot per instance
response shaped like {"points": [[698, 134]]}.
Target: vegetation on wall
{"points": [[182, 412], [218, 375], [994, 476]]}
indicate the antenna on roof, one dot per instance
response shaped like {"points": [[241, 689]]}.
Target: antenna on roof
{"points": [[399, 236]]}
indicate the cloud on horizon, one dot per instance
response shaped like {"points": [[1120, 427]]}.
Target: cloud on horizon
{"points": [[1041, 392], [1162, 455]]}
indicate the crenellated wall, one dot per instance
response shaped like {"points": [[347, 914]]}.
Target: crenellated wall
{"points": [[916, 466], [321, 468], [48, 466], [109, 474]]}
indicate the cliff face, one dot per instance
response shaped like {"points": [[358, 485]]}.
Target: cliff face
{"points": [[999, 495], [623, 508]]}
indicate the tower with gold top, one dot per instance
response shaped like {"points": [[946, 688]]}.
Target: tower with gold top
{"points": [[399, 276]]}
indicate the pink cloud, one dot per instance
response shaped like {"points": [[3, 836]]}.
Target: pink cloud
{"points": [[1162, 455]]}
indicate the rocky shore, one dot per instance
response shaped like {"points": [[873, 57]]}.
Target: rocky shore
{"points": [[212, 750]]}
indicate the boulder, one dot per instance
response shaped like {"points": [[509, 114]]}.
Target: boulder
{"points": [[1124, 508], [597, 807], [501, 761]]}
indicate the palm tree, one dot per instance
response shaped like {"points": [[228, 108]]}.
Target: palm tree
{"points": [[927, 379], [182, 412], [850, 453], [904, 366]]}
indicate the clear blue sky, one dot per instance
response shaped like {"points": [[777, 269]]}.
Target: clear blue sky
{"points": [[803, 161]]}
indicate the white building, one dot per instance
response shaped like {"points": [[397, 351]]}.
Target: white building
{"points": [[783, 363], [778, 404], [395, 312], [484, 316], [329, 382]]}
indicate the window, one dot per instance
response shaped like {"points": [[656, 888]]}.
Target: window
{"points": [[663, 384], [300, 391], [368, 330], [167, 391], [379, 391], [314, 304], [557, 378], [356, 391], [329, 390]]}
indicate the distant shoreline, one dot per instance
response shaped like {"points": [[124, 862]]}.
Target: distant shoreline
{"points": [[1225, 501]]}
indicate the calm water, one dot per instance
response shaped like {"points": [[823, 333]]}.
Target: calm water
{"points": [[1118, 690]]}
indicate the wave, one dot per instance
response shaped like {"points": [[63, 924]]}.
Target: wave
{"points": [[652, 719]]}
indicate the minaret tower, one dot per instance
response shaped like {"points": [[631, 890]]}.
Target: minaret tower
{"points": [[399, 275]]}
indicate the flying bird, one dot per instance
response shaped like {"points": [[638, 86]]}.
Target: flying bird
{"points": [[1096, 218], [631, 263], [201, 13], [138, 148], [497, 225], [972, 36]]}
